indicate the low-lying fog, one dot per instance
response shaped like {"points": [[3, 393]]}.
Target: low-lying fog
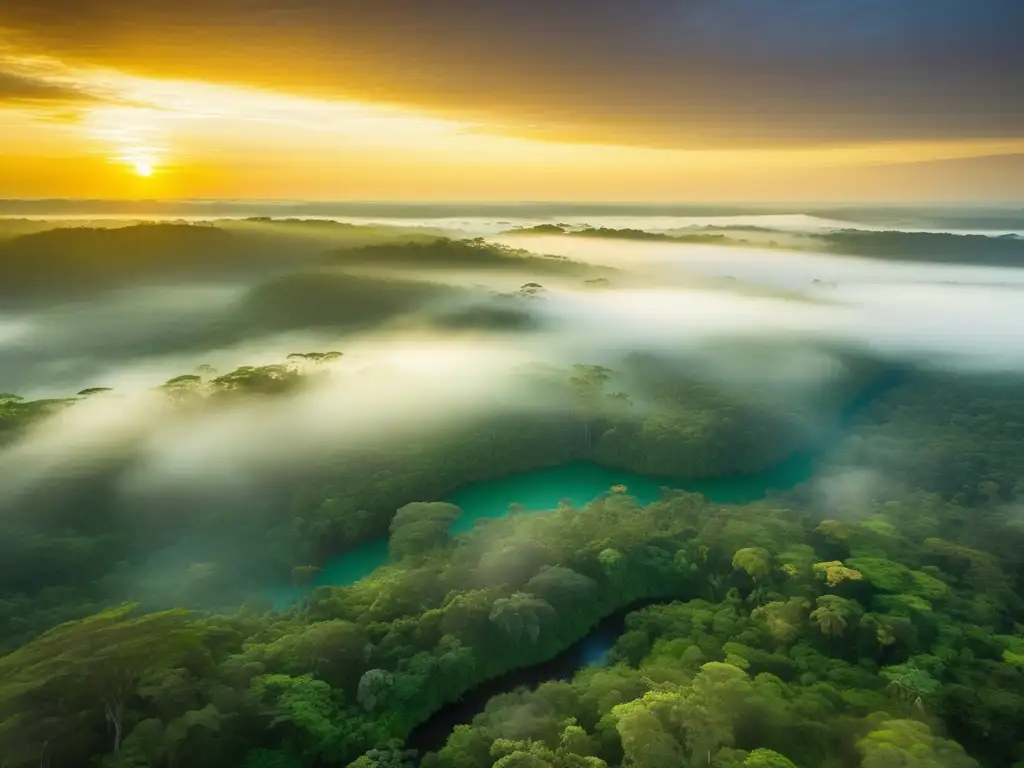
{"points": [[404, 376], [796, 270], [660, 297], [432, 345], [480, 226]]}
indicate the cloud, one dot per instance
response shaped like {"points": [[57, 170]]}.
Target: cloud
{"points": [[18, 89], [46, 91], [650, 72]]}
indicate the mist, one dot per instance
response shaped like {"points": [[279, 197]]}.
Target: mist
{"points": [[406, 377], [430, 349], [937, 313], [711, 405]]}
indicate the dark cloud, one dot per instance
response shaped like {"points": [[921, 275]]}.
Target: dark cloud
{"points": [[655, 72], [21, 89]]}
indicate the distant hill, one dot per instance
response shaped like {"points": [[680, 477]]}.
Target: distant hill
{"points": [[10, 228], [455, 254], [327, 223], [317, 299], [70, 262], [936, 247], [708, 235], [539, 229], [946, 248], [328, 233]]}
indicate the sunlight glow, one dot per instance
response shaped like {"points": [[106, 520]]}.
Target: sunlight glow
{"points": [[206, 137]]}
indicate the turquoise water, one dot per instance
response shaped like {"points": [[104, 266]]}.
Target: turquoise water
{"points": [[541, 490], [583, 481]]}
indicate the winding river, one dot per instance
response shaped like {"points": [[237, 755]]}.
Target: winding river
{"points": [[431, 735], [541, 490], [580, 482]]}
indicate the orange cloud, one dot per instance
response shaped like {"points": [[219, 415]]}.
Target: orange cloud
{"points": [[654, 73], [87, 130]]}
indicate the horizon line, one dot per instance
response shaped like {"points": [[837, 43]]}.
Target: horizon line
{"points": [[477, 202]]}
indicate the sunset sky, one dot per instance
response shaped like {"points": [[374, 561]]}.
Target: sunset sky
{"points": [[645, 100]]}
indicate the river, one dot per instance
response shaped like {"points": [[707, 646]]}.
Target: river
{"points": [[541, 490], [580, 482], [431, 735]]}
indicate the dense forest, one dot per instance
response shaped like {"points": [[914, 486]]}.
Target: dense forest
{"points": [[648, 417], [870, 616], [929, 247], [800, 629]]}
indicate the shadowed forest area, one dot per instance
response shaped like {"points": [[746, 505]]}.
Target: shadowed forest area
{"points": [[199, 417], [932, 247]]}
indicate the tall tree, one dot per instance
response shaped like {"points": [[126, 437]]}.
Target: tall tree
{"points": [[522, 615], [588, 385], [86, 667]]}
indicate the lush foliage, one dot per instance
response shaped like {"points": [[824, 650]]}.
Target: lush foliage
{"points": [[648, 417], [870, 618]]}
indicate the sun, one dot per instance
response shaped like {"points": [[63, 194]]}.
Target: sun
{"points": [[142, 168]]}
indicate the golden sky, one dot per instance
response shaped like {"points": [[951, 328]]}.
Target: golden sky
{"points": [[166, 110]]}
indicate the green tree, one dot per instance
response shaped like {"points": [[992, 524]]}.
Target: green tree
{"points": [[588, 385], [646, 740], [834, 614], [766, 758], [307, 710], [374, 687], [910, 683], [755, 561], [392, 756], [564, 588], [782, 620], [55, 683], [532, 753], [522, 615], [835, 573], [420, 527], [713, 704], [332, 650], [899, 743]]}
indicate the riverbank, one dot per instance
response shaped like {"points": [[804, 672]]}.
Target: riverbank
{"points": [[544, 490], [591, 650]]}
